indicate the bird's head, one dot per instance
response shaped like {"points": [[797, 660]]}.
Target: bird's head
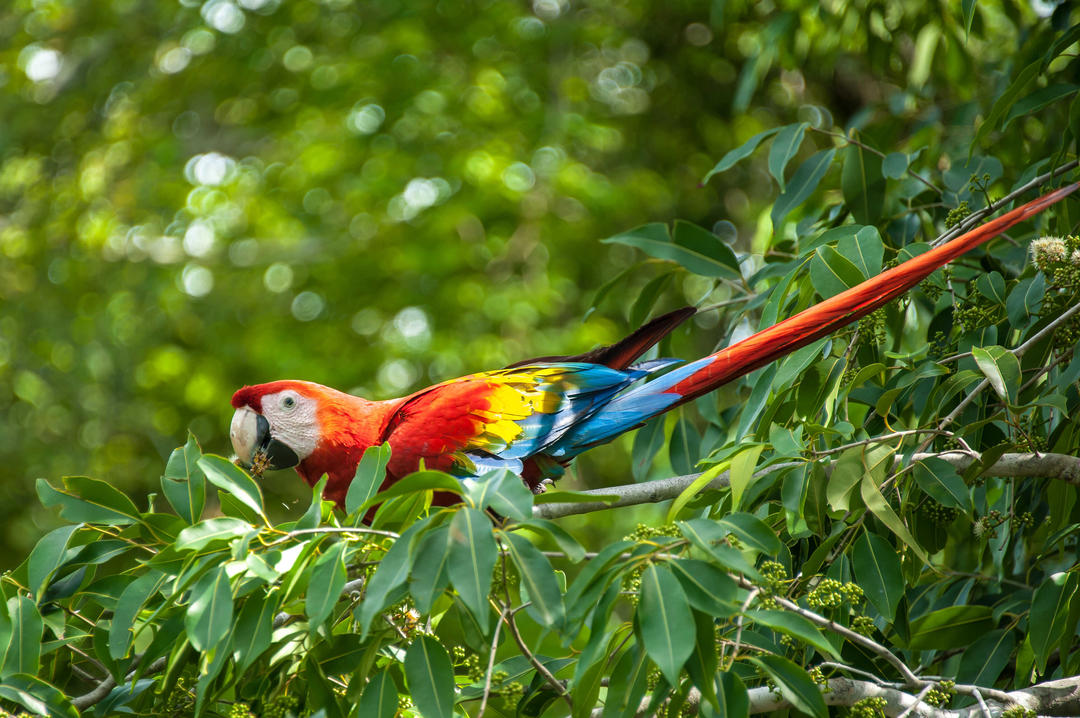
{"points": [[276, 425]]}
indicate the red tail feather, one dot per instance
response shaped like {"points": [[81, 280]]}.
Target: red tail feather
{"points": [[848, 306]]}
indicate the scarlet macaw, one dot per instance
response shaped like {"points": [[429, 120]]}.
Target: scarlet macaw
{"points": [[534, 417]]}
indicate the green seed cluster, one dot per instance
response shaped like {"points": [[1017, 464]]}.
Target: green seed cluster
{"points": [[931, 290], [975, 315], [830, 593], [940, 514], [240, 710], [512, 692], [850, 373], [1022, 521], [652, 678], [863, 625], [775, 575], [818, 676], [278, 706], [872, 327], [957, 215], [631, 583], [986, 525], [941, 694], [869, 707], [20, 714], [644, 533], [404, 703], [1018, 711], [180, 701]]}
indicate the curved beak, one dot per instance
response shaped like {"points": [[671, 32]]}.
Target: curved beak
{"points": [[254, 445]]}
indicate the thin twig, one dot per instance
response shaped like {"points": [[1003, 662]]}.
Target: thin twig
{"points": [[918, 700], [490, 666]]}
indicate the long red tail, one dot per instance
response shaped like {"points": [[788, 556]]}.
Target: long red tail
{"points": [[848, 306]]}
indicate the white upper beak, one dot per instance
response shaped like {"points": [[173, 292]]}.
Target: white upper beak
{"points": [[244, 432]]}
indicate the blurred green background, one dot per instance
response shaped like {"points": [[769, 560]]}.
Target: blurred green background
{"points": [[378, 195]]}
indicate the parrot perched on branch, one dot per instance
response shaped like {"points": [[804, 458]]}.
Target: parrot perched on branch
{"points": [[535, 416]]}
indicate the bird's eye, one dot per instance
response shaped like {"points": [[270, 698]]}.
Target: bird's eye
{"points": [[288, 402]]}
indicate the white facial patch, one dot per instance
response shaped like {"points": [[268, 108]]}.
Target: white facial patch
{"points": [[293, 421]]}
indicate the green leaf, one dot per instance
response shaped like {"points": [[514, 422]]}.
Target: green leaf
{"points": [[708, 589], [939, 479], [802, 184], [732, 695], [195, 538], [742, 472], [706, 535], [685, 446], [794, 684], [429, 575], [24, 646], [985, 659], [380, 697], [629, 679], [742, 151], [47, 556], [877, 570], [1006, 102], [877, 504], [754, 533], [667, 625], [1049, 613], [1039, 99], [832, 272], [567, 544], [701, 241], [863, 184], [430, 677], [1001, 368], [864, 249], [654, 240], [949, 627], [895, 165], [391, 572], [254, 628], [992, 286], [183, 482], [313, 516], [229, 477], [795, 626], [968, 8], [504, 492], [417, 483], [648, 440], [472, 559], [846, 474], [37, 696], [1025, 300], [647, 297], [327, 580], [369, 476], [131, 601], [784, 147], [86, 500], [537, 579], [209, 616], [692, 489]]}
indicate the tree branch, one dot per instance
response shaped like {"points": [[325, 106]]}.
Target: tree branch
{"points": [[1054, 466], [1054, 698]]}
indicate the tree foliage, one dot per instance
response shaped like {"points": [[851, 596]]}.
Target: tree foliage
{"points": [[884, 520]]}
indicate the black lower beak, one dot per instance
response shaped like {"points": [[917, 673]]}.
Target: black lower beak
{"points": [[278, 455]]}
